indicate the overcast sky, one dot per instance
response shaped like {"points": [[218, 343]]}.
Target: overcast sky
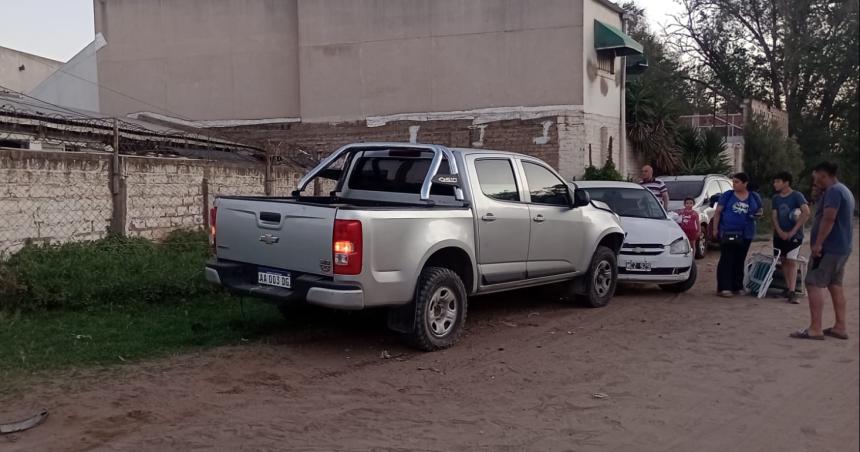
{"points": [[58, 29]]}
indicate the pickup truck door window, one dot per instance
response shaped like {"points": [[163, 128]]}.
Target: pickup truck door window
{"points": [[503, 222], [556, 238]]}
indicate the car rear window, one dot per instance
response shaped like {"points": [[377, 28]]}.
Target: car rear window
{"points": [[396, 174], [682, 189], [629, 202]]}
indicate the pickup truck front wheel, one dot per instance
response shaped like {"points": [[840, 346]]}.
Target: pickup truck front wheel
{"points": [[601, 279], [440, 309]]}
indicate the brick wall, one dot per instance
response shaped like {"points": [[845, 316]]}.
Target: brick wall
{"points": [[561, 141], [537, 137], [62, 196]]}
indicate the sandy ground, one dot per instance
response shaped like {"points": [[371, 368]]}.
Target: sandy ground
{"points": [[681, 373]]}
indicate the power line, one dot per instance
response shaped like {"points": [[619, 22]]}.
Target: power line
{"points": [[106, 122], [127, 96]]}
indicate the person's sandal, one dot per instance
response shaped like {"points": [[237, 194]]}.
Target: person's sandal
{"points": [[725, 294], [804, 334], [791, 298], [831, 333]]}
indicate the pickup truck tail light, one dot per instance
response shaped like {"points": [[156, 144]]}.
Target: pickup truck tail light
{"points": [[213, 215], [347, 247]]}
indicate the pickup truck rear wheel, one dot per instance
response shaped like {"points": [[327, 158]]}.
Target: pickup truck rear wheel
{"points": [[440, 309], [601, 279]]}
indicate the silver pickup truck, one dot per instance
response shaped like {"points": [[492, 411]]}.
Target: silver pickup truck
{"points": [[418, 229]]}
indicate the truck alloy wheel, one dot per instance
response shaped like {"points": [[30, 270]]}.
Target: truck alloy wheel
{"points": [[601, 279], [440, 309]]}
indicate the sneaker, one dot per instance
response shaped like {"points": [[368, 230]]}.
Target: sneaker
{"points": [[792, 298], [725, 294]]}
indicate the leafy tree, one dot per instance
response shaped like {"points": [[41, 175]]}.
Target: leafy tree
{"points": [[655, 98], [767, 151], [799, 55]]}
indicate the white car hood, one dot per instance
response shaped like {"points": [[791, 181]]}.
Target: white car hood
{"points": [[675, 205], [646, 230]]}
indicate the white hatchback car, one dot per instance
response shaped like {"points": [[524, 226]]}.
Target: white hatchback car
{"points": [[655, 250]]}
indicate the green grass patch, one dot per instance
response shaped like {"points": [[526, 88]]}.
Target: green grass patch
{"points": [[109, 335], [111, 271]]}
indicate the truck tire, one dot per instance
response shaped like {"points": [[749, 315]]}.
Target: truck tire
{"points": [[601, 279], [682, 286], [701, 245], [440, 309]]}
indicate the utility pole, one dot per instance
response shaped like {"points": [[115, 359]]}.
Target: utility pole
{"points": [[117, 186]]}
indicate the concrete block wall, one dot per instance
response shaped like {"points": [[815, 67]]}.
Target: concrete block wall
{"points": [[578, 130], [162, 195], [52, 197], [57, 197], [168, 194]]}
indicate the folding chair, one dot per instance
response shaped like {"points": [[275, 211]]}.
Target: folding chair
{"points": [[758, 272], [779, 282]]}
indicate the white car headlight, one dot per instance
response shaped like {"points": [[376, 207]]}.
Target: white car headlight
{"points": [[680, 246]]}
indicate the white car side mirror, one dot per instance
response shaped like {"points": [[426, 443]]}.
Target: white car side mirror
{"points": [[674, 217]]}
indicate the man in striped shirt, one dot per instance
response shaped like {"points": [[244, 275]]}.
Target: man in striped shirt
{"points": [[657, 187]]}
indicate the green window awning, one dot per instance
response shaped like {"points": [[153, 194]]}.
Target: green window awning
{"points": [[609, 38]]}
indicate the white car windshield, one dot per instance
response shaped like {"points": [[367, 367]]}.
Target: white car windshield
{"points": [[629, 202]]}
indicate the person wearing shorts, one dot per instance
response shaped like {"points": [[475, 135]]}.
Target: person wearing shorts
{"points": [[831, 242], [790, 212]]}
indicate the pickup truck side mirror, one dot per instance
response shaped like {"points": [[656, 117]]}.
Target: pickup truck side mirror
{"points": [[580, 198]]}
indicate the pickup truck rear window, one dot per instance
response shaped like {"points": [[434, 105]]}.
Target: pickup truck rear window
{"points": [[396, 174]]}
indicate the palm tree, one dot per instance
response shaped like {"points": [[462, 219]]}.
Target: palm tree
{"points": [[651, 127], [702, 152]]}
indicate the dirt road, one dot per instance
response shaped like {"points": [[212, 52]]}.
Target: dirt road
{"points": [[680, 373]]}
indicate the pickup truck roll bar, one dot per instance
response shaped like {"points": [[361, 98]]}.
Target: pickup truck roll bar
{"points": [[439, 152]]}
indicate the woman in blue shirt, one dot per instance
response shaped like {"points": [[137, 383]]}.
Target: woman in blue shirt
{"points": [[735, 220]]}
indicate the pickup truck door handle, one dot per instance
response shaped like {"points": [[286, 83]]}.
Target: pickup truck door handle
{"points": [[489, 217], [539, 218]]}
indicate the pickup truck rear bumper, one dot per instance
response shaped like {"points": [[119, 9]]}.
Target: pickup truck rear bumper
{"points": [[241, 279]]}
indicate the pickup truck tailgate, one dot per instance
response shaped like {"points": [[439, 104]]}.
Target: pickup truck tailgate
{"points": [[279, 234]]}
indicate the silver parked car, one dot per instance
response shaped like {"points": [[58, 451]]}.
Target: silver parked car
{"points": [[418, 229], [702, 189]]}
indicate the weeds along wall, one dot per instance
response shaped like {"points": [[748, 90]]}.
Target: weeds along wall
{"points": [[59, 197]]}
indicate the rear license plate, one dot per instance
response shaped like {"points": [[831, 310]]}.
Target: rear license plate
{"points": [[634, 266], [269, 278]]}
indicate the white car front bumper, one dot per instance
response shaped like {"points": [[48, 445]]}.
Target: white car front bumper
{"points": [[664, 267]]}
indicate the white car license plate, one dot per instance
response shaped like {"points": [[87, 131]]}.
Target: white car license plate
{"points": [[274, 279], [635, 266]]}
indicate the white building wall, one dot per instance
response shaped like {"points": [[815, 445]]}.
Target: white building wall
{"points": [[74, 84], [35, 69]]}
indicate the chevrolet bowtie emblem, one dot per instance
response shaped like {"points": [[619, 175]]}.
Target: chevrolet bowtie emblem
{"points": [[269, 239]]}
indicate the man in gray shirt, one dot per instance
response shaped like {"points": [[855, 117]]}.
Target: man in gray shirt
{"points": [[831, 245]]}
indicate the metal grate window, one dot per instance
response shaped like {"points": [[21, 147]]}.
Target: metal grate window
{"points": [[606, 62]]}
